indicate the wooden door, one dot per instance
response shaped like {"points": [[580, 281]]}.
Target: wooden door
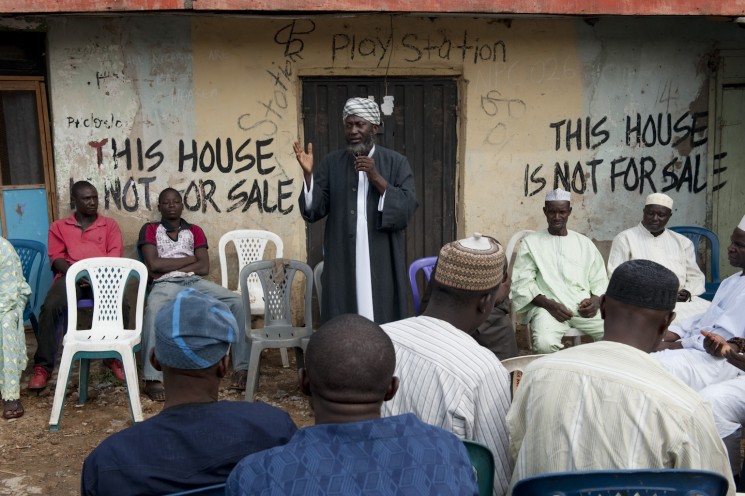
{"points": [[421, 126], [727, 174], [27, 184]]}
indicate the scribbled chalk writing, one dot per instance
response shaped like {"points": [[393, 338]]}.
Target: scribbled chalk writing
{"points": [[289, 37], [94, 122]]}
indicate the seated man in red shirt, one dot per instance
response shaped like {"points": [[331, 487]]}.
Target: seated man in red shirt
{"points": [[84, 234]]}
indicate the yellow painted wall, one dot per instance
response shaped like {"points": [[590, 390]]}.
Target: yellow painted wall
{"points": [[173, 80]]}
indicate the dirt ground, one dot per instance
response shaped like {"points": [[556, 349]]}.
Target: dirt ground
{"points": [[37, 461]]}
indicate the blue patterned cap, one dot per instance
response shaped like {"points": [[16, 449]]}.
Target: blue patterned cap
{"points": [[193, 331]]}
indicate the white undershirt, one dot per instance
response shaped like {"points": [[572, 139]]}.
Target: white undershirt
{"points": [[362, 245]]}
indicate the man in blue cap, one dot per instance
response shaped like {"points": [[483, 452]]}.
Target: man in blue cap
{"points": [[196, 440]]}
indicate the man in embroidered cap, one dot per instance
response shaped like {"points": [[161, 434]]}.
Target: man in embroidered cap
{"points": [[650, 240], [609, 405], [447, 378], [196, 440], [558, 278], [368, 194], [704, 351]]}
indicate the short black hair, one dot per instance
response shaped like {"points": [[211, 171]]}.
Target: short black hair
{"points": [[350, 358], [168, 190], [76, 187]]}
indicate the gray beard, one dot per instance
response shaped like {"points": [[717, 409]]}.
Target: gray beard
{"points": [[362, 149]]}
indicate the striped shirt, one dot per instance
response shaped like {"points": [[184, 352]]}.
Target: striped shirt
{"points": [[448, 380], [607, 405]]}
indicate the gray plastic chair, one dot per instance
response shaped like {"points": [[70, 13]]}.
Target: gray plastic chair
{"points": [[276, 277]]}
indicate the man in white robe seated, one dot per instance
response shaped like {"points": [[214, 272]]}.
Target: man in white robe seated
{"points": [[558, 278], [609, 405], [649, 240], [722, 380], [683, 347]]}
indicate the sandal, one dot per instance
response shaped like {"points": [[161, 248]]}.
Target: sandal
{"points": [[155, 390], [12, 409], [238, 380]]}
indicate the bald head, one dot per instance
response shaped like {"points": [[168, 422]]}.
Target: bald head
{"points": [[350, 360]]}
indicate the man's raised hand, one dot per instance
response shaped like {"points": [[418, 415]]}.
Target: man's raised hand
{"points": [[305, 159]]}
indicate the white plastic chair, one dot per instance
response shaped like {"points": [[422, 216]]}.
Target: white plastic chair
{"points": [[573, 333], [516, 365], [107, 337], [249, 246]]}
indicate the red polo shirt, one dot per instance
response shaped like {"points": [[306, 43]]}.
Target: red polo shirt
{"points": [[68, 241]]}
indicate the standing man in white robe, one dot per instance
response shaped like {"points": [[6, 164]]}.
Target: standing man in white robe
{"points": [[649, 240], [369, 196], [558, 278]]}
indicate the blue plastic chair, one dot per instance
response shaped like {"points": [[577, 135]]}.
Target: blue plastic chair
{"points": [[28, 251], [215, 490], [482, 460], [667, 482], [695, 234], [426, 265]]}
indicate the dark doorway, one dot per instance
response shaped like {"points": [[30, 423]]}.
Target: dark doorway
{"points": [[422, 127]]}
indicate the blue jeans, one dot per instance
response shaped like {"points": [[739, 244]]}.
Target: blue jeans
{"points": [[164, 291]]}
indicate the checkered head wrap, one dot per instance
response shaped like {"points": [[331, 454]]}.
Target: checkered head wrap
{"points": [[473, 264], [364, 108]]}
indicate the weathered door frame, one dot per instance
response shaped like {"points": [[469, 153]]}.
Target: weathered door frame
{"points": [[729, 70], [38, 86]]}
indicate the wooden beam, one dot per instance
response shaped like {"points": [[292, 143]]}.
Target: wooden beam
{"points": [[537, 7], [58, 6], [507, 7]]}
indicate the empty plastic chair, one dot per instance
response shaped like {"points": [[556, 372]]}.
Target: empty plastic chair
{"points": [[250, 245], [426, 265], [695, 234], [276, 278], [106, 337], [32, 254]]}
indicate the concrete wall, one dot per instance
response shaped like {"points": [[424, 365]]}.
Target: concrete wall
{"points": [[210, 105]]}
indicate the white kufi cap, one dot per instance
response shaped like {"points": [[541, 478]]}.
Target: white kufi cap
{"points": [[741, 225], [659, 199], [558, 195]]}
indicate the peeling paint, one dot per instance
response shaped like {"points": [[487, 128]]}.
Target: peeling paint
{"points": [[210, 105]]}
